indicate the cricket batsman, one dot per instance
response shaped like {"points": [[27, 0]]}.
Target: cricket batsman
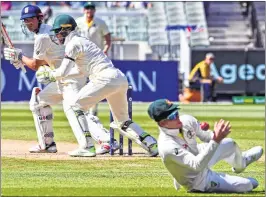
{"points": [[189, 162], [49, 53], [106, 81]]}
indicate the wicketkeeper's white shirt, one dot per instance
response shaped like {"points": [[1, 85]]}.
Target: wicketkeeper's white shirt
{"points": [[180, 154], [96, 32], [89, 59]]}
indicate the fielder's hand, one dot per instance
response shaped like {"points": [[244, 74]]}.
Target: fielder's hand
{"points": [[221, 130], [204, 126], [13, 55], [44, 75]]}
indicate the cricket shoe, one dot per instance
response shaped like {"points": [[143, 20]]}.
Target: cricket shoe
{"points": [[105, 148], [250, 156], [153, 150], [254, 182], [49, 149], [83, 152], [253, 154], [176, 185], [131, 135]]}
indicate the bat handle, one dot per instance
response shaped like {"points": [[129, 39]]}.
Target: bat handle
{"points": [[23, 69]]}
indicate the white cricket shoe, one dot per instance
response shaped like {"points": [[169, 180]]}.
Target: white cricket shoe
{"points": [[254, 182], [49, 149], [176, 185], [153, 150], [83, 152], [105, 148], [250, 156]]}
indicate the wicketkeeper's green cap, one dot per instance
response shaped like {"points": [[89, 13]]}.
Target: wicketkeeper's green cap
{"points": [[161, 109]]}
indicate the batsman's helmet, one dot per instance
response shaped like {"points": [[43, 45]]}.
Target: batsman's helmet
{"points": [[30, 11]]}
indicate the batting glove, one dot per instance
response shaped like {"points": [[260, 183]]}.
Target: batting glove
{"points": [[204, 126], [17, 64], [44, 75], [13, 55]]}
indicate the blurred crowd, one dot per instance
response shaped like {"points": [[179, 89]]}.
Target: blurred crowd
{"points": [[7, 5]]}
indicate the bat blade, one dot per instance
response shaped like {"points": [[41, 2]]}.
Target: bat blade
{"points": [[8, 42]]}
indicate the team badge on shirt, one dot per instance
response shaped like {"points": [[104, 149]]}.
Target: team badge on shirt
{"points": [[37, 52], [176, 151]]}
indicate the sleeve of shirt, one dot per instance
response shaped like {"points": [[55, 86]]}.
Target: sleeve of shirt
{"points": [[68, 67], [41, 44], [196, 163], [204, 136], [72, 51], [105, 29], [195, 73]]}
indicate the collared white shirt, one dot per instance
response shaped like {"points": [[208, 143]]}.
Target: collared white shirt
{"points": [[46, 49], [95, 33], [180, 154]]}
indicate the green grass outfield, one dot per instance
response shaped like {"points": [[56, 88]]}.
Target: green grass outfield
{"points": [[122, 177]]}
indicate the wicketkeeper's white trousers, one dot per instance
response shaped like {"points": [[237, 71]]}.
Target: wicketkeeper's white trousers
{"points": [[110, 84]]}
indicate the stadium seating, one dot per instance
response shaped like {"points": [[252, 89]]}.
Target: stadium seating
{"points": [[175, 16], [260, 10], [195, 15], [227, 26], [157, 21]]}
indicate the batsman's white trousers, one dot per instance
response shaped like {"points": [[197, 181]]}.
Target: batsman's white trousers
{"points": [[55, 93], [110, 84], [228, 151], [50, 95]]}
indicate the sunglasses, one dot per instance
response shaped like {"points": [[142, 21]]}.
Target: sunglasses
{"points": [[56, 31], [173, 116]]}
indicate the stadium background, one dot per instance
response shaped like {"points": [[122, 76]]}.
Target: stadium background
{"points": [[149, 54], [156, 63]]}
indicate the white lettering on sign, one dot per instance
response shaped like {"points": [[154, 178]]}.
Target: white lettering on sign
{"points": [[141, 80], [29, 84], [232, 72]]}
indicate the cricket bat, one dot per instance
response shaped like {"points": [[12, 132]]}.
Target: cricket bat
{"points": [[8, 42]]}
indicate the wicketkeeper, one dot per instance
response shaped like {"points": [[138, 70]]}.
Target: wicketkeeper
{"points": [[106, 82], [189, 162]]}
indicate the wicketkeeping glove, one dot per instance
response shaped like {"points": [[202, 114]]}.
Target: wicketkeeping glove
{"points": [[13, 55], [204, 126], [44, 75]]}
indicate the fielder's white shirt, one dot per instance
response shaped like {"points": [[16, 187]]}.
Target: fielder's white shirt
{"points": [[95, 33], [46, 49], [180, 154], [89, 59]]}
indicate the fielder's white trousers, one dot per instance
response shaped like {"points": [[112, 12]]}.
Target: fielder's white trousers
{"points": [[228, 151]]}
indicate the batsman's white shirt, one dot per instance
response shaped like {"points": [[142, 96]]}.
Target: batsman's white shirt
{"points": [[181, 156], [46, 49], [96, 32]]}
